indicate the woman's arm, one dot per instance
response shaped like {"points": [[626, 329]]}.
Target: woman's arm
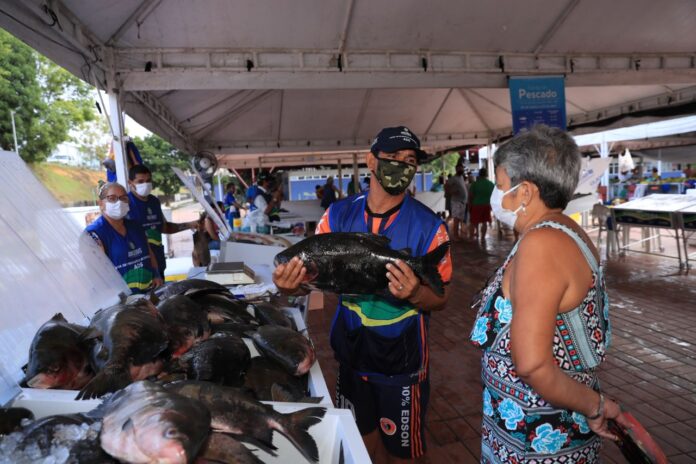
{"points": [[538, 281]]}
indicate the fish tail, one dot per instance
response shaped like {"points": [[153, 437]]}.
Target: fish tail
{"points": [[295, 429], [429, 271], [106, 381]]}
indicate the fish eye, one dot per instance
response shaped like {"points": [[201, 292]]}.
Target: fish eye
{"points": [[53, 368]]}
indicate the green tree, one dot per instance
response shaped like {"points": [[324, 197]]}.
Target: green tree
{"points": [[160, 156], [435, 166], [48, 100], [94, 140]]}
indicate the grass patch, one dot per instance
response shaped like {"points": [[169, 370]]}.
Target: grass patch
{"points": [[68, 184]]}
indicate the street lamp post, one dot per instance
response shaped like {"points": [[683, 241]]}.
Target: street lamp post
{"points": [[14, 131]]}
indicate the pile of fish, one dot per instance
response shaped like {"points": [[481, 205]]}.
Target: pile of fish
{"points": [[192, 337], [174, 423], [194, 332]]}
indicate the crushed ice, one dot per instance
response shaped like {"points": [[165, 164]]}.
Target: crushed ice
{"points": [[64, 437]]}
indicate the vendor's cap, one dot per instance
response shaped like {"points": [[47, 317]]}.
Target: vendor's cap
{"points": [[393, 139]]}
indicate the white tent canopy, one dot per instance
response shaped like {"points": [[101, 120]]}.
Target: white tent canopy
{"points": [[258, 77]]}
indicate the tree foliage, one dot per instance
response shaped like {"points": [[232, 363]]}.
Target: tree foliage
{"points": [[48, 100], [160, 156], [435, 166]]}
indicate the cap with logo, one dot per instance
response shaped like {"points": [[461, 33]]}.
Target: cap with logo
{"points": [[393, 139]]}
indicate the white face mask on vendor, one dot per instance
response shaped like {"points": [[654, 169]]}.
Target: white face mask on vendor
{"points": [[117, 210], [143, 190], [505, 216]]}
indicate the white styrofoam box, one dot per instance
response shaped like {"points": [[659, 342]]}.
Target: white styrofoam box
{"points": [[48, 265], [336, 428], [249, 253], [51, 402]]}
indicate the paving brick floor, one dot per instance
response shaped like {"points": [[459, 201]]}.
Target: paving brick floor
{"points": [[650, 368]]}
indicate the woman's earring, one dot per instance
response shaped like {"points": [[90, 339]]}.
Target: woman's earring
{"points": [[524, 209]]}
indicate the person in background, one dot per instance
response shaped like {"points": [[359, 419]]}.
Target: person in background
{"points": [[124, 241], [330, 194], [459, 195], [439, 185], [253, 189], [381, 342], [146, 210], [276, 200], [232, 206], [319, 191], [543, 318], [689, 172], [264, 202], [655, 175], [211, 229], [354, 187], [480, 193]]}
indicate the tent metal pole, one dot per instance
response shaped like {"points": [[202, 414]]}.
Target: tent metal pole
{"points": [[116, 116]]}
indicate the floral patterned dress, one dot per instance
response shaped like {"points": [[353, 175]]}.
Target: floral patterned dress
{"points": [[518, 425]]}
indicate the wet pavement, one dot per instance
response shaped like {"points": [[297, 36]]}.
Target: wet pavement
{"points": [[650, 368]]}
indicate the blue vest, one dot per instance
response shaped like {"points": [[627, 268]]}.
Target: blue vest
{"points": [[255, 193], [380, 337], [251, 193], [128, 254], [230, 210], [149, 215]]}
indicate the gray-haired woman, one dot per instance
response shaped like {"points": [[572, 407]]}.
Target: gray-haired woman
{"points": [[542, 319]]}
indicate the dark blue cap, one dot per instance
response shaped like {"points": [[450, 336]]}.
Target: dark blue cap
{"points": [[393, 139]]}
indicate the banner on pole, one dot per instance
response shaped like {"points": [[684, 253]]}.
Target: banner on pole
{"points": [[537, 100]]}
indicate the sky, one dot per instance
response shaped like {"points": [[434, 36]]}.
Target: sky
{"points": [[132, 128]]}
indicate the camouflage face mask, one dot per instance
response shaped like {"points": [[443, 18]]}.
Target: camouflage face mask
{"points": [[394, 176]]}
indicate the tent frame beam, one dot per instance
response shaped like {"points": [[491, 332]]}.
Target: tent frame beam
{"points": [[226, 68]]}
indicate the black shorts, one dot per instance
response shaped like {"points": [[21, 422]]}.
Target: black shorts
{"points": [[398, 411]]}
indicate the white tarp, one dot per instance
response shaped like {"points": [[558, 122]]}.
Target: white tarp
{"points": [[48, 265]]}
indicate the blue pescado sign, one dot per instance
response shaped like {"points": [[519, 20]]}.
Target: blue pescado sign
{"points": [[537, 100]]}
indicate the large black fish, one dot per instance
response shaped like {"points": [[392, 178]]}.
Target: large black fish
{"points": [[269, 314], [221, 448], [355, 263], [270, 381], [189, 286], [221, 360], [235, 412], [288, 347], [187, 323], [134, 338], [222, 308], [58, 357], [144, 423]]}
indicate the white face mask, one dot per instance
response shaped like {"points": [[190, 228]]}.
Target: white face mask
{"points": [[116, 210], [143, 190], [505, 216]]}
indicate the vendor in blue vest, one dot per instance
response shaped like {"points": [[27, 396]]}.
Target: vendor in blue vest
{"points": [[146, 210], [381, 343], [232, 207], [124, 241]]}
